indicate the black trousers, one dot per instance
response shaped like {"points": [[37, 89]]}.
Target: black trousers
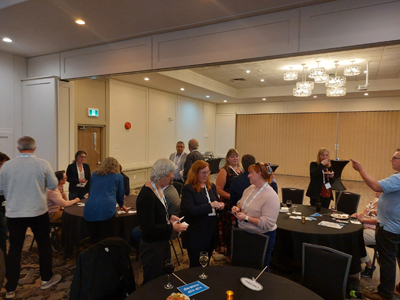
{"points": [[324, 201], [153, 257], [100, 230], [17, 229]]}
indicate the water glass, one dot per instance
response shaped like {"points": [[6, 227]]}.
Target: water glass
{"points": [[169, 269], [203, 261]]}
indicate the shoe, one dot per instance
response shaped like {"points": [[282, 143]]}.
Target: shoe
{"points": [[48, 284], [374, 296], [10, 295], [397, 290], [368, 272]]}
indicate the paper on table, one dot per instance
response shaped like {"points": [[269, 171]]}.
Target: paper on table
{"points": [[296, 212], [132, 212], [330, 224], [81, 204], [355, 222], [295, 217], [120, 212], [316, 215]]}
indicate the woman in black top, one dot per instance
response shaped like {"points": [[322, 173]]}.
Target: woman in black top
{"points": [[155, 223], [321, 179], [78, 174], [199, 204]]}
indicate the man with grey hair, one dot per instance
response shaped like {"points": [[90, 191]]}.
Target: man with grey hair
{"points": [[193, 156], [179, 159], [23, 181]]}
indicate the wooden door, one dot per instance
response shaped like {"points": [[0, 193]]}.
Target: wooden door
{"points": [[89, 140]]}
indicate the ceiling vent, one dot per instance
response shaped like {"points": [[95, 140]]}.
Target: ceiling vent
{"points": [[237, 79]]}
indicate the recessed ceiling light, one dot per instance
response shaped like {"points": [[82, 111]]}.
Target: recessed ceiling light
{"points": [[207, 96], [264, 99], [182, 89], [315, 96], [365, 94], [80, 22], [146, 78], [7, 40], [225, 101], [248, 71], [262, 80]]}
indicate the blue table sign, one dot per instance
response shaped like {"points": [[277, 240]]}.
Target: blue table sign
{"points": [[193, 288]]}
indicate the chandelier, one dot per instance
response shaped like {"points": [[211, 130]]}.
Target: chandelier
{"points": [[335, 81], [290, 75], [352, 70], [336, 92], [317, 72], [303, 88]]}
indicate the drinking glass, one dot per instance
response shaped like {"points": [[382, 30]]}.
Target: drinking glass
{"points": [[169, 269], [294, 208], [334, 208], [203, 261], [289, 203]]}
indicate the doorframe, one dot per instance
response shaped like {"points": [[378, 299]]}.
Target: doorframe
{"points": [[103, 138]]}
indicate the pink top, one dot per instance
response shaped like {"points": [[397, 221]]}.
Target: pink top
{"points": [[371, 212], [57, 199]]}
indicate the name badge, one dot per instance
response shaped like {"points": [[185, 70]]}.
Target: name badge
{"points": [[328, 185]]}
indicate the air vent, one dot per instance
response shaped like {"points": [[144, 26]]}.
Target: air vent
{"points": [[237, 79]]}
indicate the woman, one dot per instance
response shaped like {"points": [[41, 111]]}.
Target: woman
{"points": [[320, 189], [154, 220], [78, 174], [231, 169], [57, 199], [107, 190], [259, 207], [198, 206]]}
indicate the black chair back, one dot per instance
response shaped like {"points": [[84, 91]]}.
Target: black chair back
{"points": [[347, 202], [296, 195], [325, 271], [178, 186], [248, 248]]}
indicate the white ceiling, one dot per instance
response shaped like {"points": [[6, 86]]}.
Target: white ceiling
{"points": [[39, 27]]}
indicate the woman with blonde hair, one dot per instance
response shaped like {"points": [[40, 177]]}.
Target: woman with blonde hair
{"points": [[232, 168], [321, 178], [106, 191], [199, 205]]}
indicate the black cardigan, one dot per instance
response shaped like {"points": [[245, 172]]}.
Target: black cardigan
{"points": [[73, 179], [316, 180]]}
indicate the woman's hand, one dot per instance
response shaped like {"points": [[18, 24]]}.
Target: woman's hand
{"points": [[77, 200], [123, 208], [216, 204], [241, 216], [221, 205], [179, 227], [235, 209], [354, 216], [331, 175], [174, 219], [325, 162]]}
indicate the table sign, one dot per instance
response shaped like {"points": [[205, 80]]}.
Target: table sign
{"points": [[251, 284], [193, 288], [330, 224]]}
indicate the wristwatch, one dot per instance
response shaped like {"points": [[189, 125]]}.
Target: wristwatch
{"points": [[247, 219]]}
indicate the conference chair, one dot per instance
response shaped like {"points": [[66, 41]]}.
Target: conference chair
{"points": [[296, 195], [347, 202], [248, 248], [325, 271], [175, 236], [376, 255], [178, 186]]}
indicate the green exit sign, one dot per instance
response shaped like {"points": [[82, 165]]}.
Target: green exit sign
{"points": [[93, 112]]}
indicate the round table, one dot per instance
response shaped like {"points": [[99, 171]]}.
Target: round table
{"points": [[74, 227], [223, 278], [291, 234]]}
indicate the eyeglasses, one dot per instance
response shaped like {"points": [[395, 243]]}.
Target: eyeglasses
{"points": [[395, 157], [205, 173], [82, 156]]}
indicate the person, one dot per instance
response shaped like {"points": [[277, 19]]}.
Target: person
{"points": [[179, 159], [369, 219], [387, 232], [78, 174], [242, 182], [230, 169], [57, 199], [3, 224], [259, 207], [199, 205], [155, 223], [23, 181], [193, 156], [127, 186], [319, 189], [106, 191]]}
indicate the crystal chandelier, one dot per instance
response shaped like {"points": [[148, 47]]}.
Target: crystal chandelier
{"points": [[303, 88], [335, 81], [336, 92], [314, 72], [321, 79], [352, 70], [290, 75]]}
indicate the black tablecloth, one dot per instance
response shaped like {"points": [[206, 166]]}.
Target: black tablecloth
{"points": [[214, 164], [291, 234], [74, 228], [223, 278]]}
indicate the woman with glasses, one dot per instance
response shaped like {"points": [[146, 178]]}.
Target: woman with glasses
{"points": [[231, 169], [199, 207], [78, 174], [259, 207], [321, 179]]}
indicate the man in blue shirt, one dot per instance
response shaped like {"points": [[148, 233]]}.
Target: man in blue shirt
{"points": [[388, 227]]}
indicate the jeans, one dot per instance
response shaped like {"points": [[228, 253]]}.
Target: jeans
{"points": [[271, 244], [388, 246], [17, 228]]}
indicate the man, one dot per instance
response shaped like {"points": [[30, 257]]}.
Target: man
{"points": [[23, 181], [193, 156], [3, 226], [387, 232], [242, 182], [179, 159]]}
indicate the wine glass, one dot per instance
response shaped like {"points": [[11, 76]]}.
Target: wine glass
{"points": [[289, 203], [334, 208], [169, 269], [203, 261]]}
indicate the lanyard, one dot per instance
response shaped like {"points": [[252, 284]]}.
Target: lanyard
{"points": [[235, 171], [26, 155], [209, 201], [245, 201], [162, 200]]}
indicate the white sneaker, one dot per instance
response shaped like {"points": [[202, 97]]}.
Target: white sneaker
{"points": [[10, 295], [48, 284]]}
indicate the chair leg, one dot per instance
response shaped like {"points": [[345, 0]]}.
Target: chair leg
{"points": [[173, 247], [180, 245], [373, 261], [33, 241]]}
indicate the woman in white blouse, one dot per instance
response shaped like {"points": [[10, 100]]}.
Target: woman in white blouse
{"points": [[259, 207]]}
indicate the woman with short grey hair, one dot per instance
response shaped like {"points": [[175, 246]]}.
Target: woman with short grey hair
{"points": [[154, 220]]}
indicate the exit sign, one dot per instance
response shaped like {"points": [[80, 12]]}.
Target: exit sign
{"points": [[93, 112]]}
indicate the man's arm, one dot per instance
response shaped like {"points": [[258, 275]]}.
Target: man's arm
{"points": [[368, 179]]}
